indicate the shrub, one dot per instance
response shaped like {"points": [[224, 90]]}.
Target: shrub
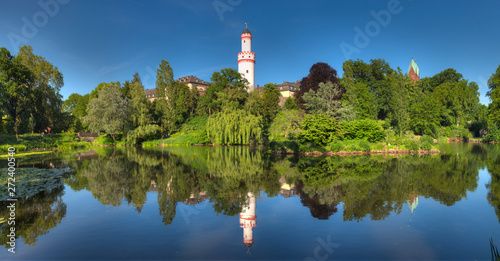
{"points": [[74, 145], [410, 135], [442, 139], [105, 139], [369, 130], [378, 146], [286, 125], [426, 145], [284, 146], [390, 136], [143, 133], [8, 139], [427, 138], [319, 129], [336, 146], [412, 145], [18, 147], [310, 147], [364, 145], [460, 133], [493, 134], [352, 145]]}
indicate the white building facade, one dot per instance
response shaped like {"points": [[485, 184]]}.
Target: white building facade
{"points": [[246, 59]]}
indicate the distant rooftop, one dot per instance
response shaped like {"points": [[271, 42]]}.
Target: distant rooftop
{"points": [[192, 79]]}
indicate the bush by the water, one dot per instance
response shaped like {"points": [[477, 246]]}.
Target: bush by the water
{"points": [[412, 145], [368, 130], [337, 146], [319, 129], [192, 132], [142, 133], [493, 134], [5, 148], [364, 145], [460, 133]]}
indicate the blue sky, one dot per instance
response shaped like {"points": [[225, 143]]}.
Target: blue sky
{"points": [[103, 41]]}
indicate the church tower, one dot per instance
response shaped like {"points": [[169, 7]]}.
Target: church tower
{"points": [[246, 59], [413, 71]]}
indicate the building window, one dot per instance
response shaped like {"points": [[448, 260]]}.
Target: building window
{"points": [[247, 71], [244, 41]]}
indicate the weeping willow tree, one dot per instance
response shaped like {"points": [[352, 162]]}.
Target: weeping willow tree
{"points": [[234, 127]]}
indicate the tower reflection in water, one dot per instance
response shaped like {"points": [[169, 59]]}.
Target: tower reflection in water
{"points": [[248, 219]]}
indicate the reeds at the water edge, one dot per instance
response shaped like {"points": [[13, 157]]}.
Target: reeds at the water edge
{"points": [[494, 251]]}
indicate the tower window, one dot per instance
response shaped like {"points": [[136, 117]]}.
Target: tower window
{"points": [[247, 71], [244, 41]]}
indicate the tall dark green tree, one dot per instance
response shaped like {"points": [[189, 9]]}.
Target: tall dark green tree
{"points": [[400, 102], [269, 106], [228, 88], [17, 92], [47, 82], [319, 73]]}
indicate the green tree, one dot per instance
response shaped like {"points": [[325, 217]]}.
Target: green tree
{"points": [[400, 102], [47, 82], [109, 112], [290, 104], [319, 73], [325, 100], [175, 101], [140, 106], [286, 126], [234, 126], [17, 91], [425, 116], [319, 129], [494, 94], [494, 108], [269, 106]]}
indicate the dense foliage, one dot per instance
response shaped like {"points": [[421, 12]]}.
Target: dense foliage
{"points": [[319, 129], [366, 97], [368, 130]]}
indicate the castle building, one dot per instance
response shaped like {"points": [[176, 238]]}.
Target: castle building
{"points": [[288, 89], [413, 71], [248, 220], [246, 59], [191, 81]]}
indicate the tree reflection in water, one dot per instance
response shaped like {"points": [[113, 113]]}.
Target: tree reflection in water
{"points": [[35, 216], [368, 186]]}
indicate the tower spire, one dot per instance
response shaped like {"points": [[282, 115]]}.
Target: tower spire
{"points": [[246, 25]]}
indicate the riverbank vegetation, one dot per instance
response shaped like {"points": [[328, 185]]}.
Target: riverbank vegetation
{"points": [[372, 107]]}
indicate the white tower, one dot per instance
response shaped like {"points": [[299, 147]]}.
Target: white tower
{"points": [[246, 59], [248, 220]]}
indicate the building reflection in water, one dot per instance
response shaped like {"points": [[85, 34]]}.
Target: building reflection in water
{"points": [[413, 202], [248, 220]]}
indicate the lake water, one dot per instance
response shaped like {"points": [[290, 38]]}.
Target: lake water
{"points": [[233, 203]]}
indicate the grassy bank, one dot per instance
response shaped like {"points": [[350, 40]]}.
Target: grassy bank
{"points": [[36, 141], [192, 132], [54, 141], [353, 147]]}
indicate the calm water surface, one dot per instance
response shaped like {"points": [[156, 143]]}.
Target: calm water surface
{"points": [[237, 203]]}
